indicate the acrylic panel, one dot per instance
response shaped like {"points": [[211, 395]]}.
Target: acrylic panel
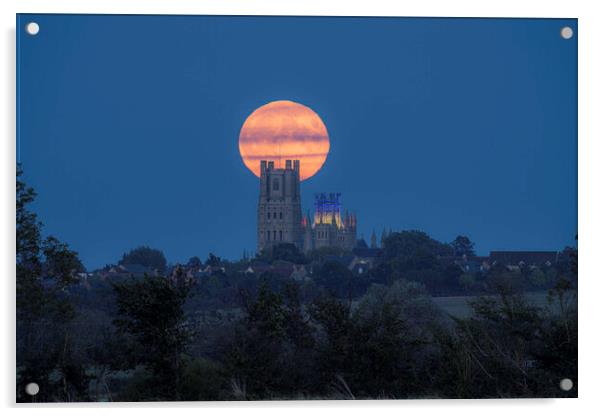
{"points": [[295, 208]]}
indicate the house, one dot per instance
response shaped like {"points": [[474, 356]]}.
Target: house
{"points": [[281, 268], [359, 266], [299, 272], [126, 270], [473, 264], [523, 258], [366, 257]]}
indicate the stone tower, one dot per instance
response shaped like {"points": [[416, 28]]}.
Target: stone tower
{"points": [[279, 208]]}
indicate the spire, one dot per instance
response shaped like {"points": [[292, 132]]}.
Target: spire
{"points": [[373, 240]]}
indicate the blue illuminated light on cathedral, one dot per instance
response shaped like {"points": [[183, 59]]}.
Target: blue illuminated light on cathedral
{"points": [[279, 218]]}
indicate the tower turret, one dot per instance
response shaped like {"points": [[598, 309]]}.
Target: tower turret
{"points": [[383, 237]]}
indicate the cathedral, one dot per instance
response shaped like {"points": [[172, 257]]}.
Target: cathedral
{"points": [[329, 228], [279, 218]]}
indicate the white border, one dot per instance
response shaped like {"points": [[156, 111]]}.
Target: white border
{"points": [[590, 135]]}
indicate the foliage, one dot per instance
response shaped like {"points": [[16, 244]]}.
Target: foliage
{"points": [[283, 252], [462, 246], [203, 379], [337, 280], [45, 270], [333, 335], [321, 253], [384, 337], [213, 260], [413, 255], [194, 262], [407, 245], [271, 348], [151, 311], [145, 256]]}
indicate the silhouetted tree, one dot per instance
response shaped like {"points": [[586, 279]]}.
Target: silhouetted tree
{"points": [[151, 311], [213, 260], [146, 256], [407, 244], [283, 252], [463, 246], [45, 267], [194, 262], [337, 280]]}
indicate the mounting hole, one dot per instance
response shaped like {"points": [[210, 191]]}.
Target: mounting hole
{"points": [[32, 28], [566, 384], [566, 32], [32, 389]]}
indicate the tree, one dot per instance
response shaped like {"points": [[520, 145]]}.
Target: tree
{"points": [[194, 262], [463, 246], [255, 357], [321, 253], [146, 256], [334, 338], [213, 260], [392, 327], [493, 348], [407, 244], [283, 252], [272, 350], [337, 279], [413, 255], [151, 311], [45, 267]]}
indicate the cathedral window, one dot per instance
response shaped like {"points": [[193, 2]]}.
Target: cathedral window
{"points": [[268, 215], [267, 235], [274, 235], [280, 214], [280, 235], [276, 185]]}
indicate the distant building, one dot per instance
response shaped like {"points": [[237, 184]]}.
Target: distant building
{"points": [[279, 208], [329, 228], [468, 264], [366, 257], [279, 218], [523, 258], [512, 260], [126, 270]]}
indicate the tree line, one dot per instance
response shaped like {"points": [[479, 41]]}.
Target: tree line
{"points": [[142, 339]]}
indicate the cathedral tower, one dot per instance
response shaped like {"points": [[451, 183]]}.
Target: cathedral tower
{"points": [[279, 208], [329, 227]]}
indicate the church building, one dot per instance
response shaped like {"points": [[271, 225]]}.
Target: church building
{"points": [[279, 218], [279, 208], [329, 228]]}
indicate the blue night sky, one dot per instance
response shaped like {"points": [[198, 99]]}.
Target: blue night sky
{"points": [[128, 126]]}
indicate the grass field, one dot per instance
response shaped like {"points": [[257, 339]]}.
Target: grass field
{"points": [[458, 305]]}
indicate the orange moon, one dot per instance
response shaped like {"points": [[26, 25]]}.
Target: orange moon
{"points": [[284, 130]]}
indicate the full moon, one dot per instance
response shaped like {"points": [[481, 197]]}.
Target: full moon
{"points": [[284, 130]]}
